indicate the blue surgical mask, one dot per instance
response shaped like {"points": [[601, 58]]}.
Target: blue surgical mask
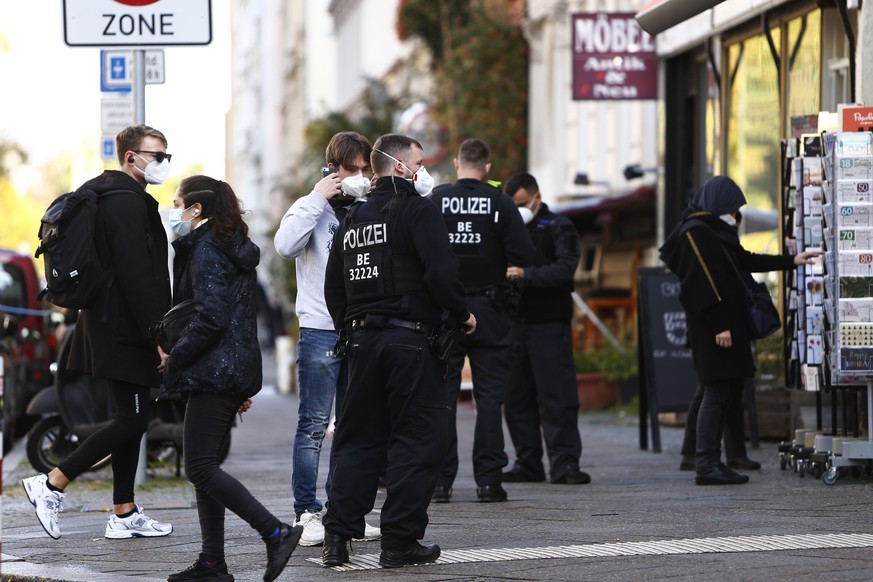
{"points": [[177, 225]]}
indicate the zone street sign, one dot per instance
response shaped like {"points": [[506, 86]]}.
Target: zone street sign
{"points": [[137, 22]]}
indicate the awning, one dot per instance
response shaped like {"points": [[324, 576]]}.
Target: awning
{"points": [[659, 15], [642, 196]]}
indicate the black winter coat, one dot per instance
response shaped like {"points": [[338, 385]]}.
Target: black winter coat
{"points": [[548, 282], [712, 293], [112, 338], [219, 351]]}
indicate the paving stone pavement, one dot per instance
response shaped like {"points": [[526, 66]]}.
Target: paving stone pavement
{"points": [[639, 519]]}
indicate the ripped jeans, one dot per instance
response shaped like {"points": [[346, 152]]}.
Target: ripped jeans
{"points": [[322, 376]]}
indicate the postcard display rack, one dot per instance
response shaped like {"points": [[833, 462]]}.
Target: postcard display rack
{"points": [[830, 303]]}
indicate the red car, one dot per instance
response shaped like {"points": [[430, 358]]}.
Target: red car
{"points": [[30, 333]]}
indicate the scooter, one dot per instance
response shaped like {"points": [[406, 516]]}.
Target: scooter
{"points": [[77, 405]]}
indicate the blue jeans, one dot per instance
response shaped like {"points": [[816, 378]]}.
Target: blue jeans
{"points": [[322, 376]]}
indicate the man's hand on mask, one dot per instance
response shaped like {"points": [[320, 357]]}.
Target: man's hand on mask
{"points": [[329, 186]]}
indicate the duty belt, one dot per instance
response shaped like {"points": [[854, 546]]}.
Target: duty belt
{"points": [[381, 322]]}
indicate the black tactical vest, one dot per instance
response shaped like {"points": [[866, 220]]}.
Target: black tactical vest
{"points": [[373, 268], [471, 215]]}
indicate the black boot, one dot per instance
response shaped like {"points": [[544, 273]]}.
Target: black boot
{"points": [[280, 548], [334, 551], [414, 554]]}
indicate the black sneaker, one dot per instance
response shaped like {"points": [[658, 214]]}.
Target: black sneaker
{"points": [[201, 571], [279, 550]]}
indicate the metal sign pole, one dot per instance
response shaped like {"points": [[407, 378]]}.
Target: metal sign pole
{"points": [[139, 86]]}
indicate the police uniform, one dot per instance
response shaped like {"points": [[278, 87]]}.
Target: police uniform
{"points": [[487, 235], [542, 389], [390, 276]]}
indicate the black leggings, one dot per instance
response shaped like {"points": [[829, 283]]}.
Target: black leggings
{"points": [[120, 438], [208, 419]]}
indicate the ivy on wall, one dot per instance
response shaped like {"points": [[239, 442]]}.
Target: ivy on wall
{"points": [[480, 72]]}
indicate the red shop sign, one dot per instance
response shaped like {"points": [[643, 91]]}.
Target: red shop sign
{"points": [[613, 58]]}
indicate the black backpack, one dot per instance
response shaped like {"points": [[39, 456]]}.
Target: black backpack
{"points": [[74, 273]]}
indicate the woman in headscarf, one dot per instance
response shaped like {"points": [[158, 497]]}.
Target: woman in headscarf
{"points": [[699, 251]]}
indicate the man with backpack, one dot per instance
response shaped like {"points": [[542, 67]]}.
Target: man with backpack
{"points": [[112, 338]]}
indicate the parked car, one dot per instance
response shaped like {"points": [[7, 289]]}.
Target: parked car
{"points": [[13, 382], [19, 305]]}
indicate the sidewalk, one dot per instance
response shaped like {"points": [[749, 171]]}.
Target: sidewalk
{"points": [[606, 529]]}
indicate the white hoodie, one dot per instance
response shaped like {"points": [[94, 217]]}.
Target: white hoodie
{"points": [[306, 234]]}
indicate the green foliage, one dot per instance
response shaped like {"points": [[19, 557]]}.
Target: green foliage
{"points": [[426, 20], [585, 362], [10, 153], [480, 68], [612, 364]]}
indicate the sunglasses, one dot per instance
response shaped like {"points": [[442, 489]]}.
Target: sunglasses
{"points": [[159, 156]]}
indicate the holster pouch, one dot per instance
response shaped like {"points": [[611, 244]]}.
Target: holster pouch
{"points": [[504, 296], [340, 350], [443, 341]]}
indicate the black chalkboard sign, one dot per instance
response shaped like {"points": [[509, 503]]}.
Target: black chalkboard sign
{"points": [[666, 367]]}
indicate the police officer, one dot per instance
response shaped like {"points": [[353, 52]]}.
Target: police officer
{"points": [[542, 402], [487, 235], [391, 276]]}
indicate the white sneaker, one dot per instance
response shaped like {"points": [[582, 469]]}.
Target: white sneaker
{"points": [[138, 525], [46, 503], [313, 531], [371, 533]]}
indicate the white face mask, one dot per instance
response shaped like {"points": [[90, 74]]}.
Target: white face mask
{"points": [[154, 172], [356, 186], [177, 225], [526, 214], [422, 181], [729, 219]]}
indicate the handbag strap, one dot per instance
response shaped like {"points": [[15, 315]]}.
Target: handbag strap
{"points": [[695, 222], [737, 271]]}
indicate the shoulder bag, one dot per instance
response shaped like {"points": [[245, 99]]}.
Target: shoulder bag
{"points": [[171, 328], [763, 316]]}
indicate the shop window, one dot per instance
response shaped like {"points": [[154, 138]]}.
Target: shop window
{"points": [[753, 129], [802, 60]]}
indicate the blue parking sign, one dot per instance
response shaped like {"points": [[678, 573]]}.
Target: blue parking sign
{"points": [[108, 148], [118, 68], [115, 71]]}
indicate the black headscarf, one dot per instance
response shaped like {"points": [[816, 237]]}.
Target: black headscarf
{"points": [[719, 195]]}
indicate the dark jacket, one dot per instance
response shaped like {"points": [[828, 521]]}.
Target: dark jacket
{"points": [[219, 351], [548, 283], [486, 232], [112, 338], [712, 293], [417, 239]]}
